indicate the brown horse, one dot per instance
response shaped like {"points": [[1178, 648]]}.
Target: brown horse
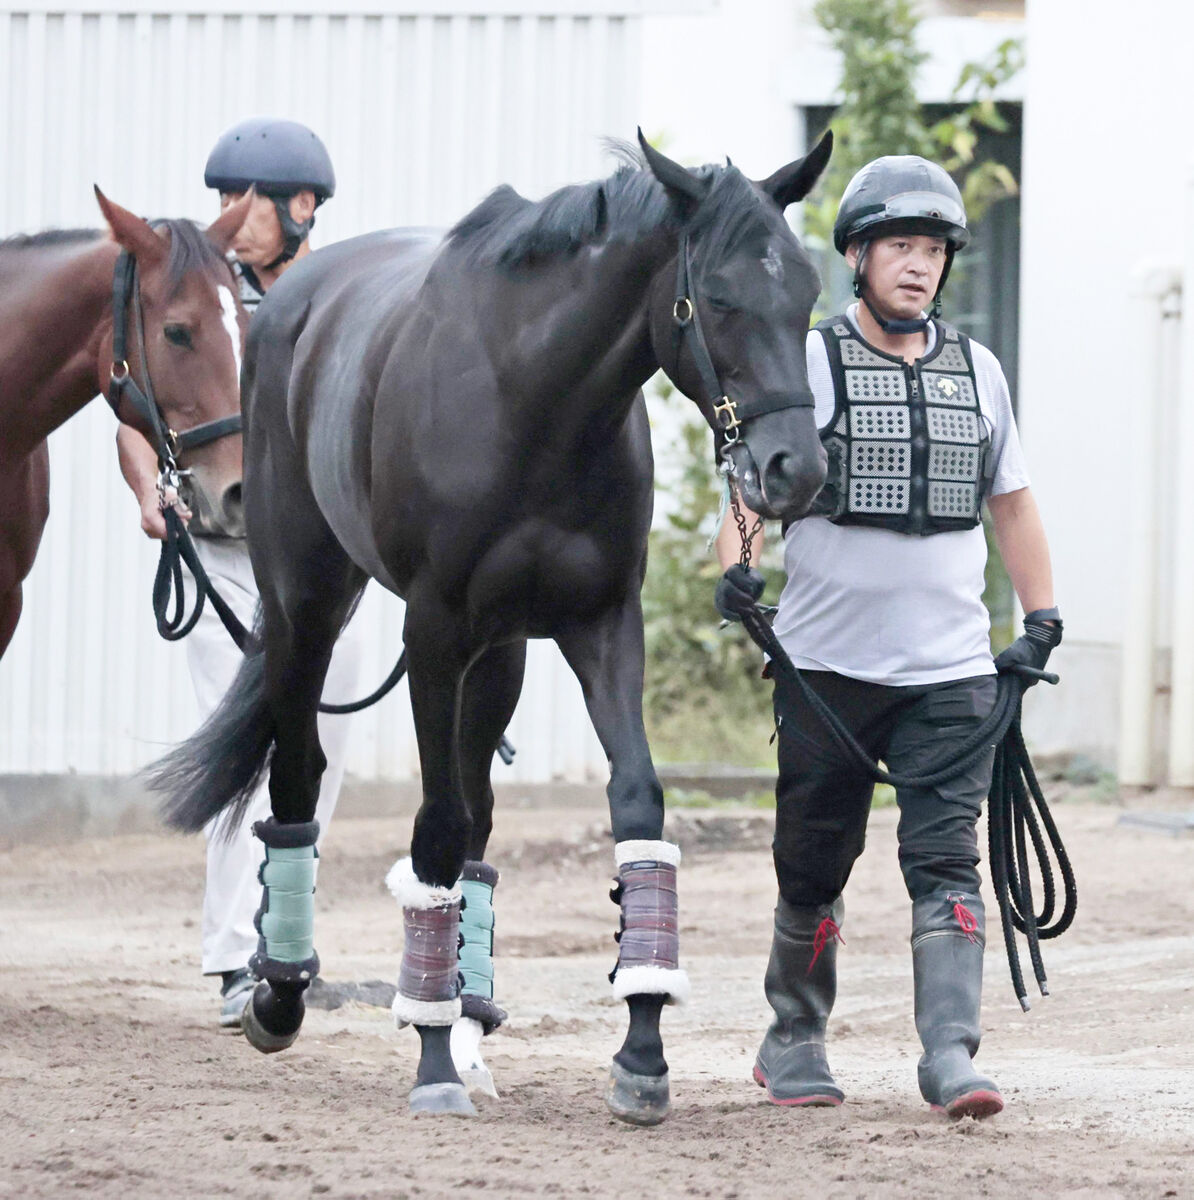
{"points": [[56, 353]]}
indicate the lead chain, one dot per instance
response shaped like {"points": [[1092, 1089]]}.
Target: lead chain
{"points": [[747, 537]]}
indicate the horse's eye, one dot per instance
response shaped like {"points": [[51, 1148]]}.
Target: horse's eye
{"points": [[722, 305], [179, 335]]}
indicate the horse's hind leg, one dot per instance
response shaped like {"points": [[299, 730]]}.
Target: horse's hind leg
{"points": [[608, 659], [308, 586], [488, 697]]}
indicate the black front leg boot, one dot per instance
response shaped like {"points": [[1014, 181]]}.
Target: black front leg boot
{"points": [[948, 936], [274, 1015], [801, 985]]}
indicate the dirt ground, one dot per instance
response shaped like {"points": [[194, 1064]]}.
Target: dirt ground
{"points": [[114, 1080]]}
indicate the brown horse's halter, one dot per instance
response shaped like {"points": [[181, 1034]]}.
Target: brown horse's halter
{"points": [[169, 445]]}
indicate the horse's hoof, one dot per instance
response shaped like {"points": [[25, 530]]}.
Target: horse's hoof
{"points": [[466, 1057], [442, 1099], [258, 1036], [637, 1099]]}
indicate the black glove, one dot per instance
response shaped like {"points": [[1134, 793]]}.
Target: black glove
{"points": [[737, 591], [1042, 631]]}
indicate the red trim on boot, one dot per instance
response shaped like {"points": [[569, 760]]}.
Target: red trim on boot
{"points": [[826, 930], [967, 921], [817, 1100], [977, 1104]]}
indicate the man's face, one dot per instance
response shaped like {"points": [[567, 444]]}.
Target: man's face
{"points": [[260, 239], [901, 272]]}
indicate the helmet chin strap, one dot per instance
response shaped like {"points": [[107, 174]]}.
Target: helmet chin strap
{"points": [[294, 233], [898, 325]]}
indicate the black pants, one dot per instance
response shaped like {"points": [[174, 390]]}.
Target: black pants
{"points": [[823, 800]]}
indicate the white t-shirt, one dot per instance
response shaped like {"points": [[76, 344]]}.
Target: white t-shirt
{"points": [[895, 608]]}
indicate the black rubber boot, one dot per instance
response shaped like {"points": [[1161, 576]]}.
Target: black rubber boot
{"points": [[948, 935], [801, 984]]}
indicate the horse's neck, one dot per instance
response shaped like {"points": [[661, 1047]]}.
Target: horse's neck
{"points": [[52, 318], [591, 339]]}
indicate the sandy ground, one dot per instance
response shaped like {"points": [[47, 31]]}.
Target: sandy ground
{"points": [[114, 1080]]}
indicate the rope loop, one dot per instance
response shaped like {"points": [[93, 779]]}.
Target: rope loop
{"points": [[1017, 815]]}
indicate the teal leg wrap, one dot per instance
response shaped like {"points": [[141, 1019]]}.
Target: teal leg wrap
{"points": [[476, 926], [477, 882], [288, 904], [286, 918]]}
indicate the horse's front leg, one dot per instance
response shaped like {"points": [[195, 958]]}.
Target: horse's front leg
{"points": [[428, 884], [487, 700], [608, 659]]}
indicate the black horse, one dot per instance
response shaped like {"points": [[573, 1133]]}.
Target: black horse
{"points": [[460, 418]]}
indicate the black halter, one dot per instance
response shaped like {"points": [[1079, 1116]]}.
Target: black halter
{"points": [[730, 415], [170, 446]]}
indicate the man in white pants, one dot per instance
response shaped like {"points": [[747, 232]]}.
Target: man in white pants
{"points": [[292, 174]]}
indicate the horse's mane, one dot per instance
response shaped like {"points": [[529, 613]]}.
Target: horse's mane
{"points": [[507, 229], [190, 249]]}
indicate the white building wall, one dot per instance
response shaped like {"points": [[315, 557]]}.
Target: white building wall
{"points": [[424, 108], [1107, 157]]}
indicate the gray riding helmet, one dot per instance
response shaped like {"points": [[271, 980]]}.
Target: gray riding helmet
{"points": [[901, 193], [278, 158]]}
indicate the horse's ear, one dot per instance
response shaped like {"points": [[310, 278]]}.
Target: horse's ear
{"points": [[685, 189], [226, 226], [795, 181], [131, 232]]}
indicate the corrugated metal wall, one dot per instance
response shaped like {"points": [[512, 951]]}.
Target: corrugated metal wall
{"points": [[423, 113]]}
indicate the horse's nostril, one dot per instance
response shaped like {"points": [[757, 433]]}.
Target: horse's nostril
{"points": [[778, 477], [792, 480], [232, 500]]}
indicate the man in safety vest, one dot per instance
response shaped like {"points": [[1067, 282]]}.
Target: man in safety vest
{"points": [[289, 169], [882, 613]]}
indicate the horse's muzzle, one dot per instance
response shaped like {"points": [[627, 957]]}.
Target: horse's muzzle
{"points": [[786, 483], [224, 518]]}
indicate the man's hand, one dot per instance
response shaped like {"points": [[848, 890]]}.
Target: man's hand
{"points": [[153, 520], [738, 591], [1042, 631], [139, 466]]}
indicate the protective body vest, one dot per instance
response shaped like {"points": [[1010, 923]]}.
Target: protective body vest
{"points": [[909, 448]]}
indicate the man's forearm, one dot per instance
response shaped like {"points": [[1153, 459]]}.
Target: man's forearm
{"points": [[138, 462], [729, 540], [1020, 536]]}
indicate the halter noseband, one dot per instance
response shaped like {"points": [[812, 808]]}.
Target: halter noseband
{"points": [[730, 415], [170, 446]]}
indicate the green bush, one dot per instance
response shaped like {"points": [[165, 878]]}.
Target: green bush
{"points": [[704, 699]]}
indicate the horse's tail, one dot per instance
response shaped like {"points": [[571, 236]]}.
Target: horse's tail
{"points": [[219, 767]]}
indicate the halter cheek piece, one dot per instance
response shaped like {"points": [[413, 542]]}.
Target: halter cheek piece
{"points": [[170, 446], [730, 415], [177, 547]]}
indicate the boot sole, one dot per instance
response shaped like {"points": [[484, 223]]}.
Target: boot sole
{"points": [[978, 1105], [816, 1100]]}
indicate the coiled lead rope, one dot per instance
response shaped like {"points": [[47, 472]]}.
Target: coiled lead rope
{"points": [[1015, 792]]}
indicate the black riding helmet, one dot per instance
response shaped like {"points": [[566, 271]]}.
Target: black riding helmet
{"points": [[278, 158], [901, 193]]}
